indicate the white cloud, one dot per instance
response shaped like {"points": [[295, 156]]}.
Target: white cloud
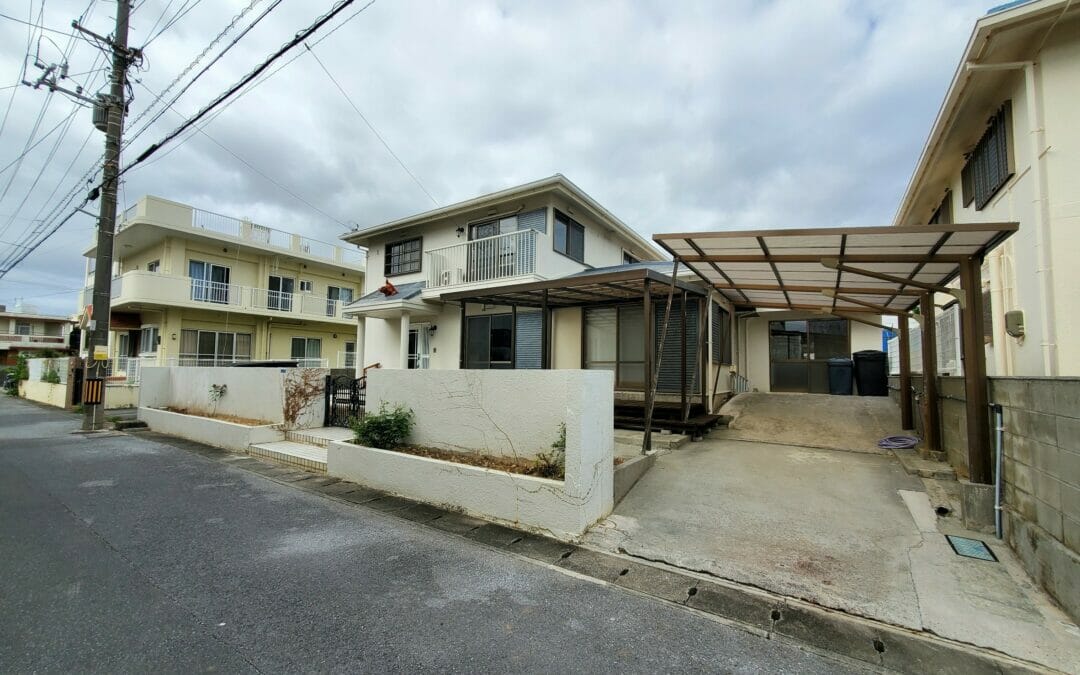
{"points": [[676, 116]]}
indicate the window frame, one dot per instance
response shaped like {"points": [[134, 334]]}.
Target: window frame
{"points": [[387, 257], [155, 338], [153, 266], [996, 143], [619, 360], [199, 357], [571, 225], [629, 258], [307, 340], [306, 286]]}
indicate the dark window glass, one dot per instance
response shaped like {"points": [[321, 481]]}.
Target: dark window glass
{"points": [[629, 258], [569, 237], [479, 338], [403, 257], [502, 338]]}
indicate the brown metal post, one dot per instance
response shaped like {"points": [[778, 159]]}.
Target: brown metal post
{"points": [[975, 388], [513, 336], [545, 333], [931, 416], [650, 351], [704, 355], [464, 342], [685, 410], [905, 373]]}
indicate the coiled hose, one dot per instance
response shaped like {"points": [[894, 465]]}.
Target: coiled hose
{"points": [[898, 442]]}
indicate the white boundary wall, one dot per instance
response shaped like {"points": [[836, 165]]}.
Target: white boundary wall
{"points": [[218, 433], [252, 393], [496, 412]]}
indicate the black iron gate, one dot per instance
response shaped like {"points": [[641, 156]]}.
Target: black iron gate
{"points": [[345, 398]]}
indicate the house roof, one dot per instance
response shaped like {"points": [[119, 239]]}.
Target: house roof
{"points": [[556, 183], [854, 269], [618, 284], [1007, 36], [404, 292]]}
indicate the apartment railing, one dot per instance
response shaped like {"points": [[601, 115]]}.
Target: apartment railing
{"points": [[127, 369], [33, 338], [503, 256]]}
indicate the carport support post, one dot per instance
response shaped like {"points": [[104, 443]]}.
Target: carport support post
{"points": [[978, 412], [685, 411], [545, 332], [905, 373], [704, 354], [650, 352], [931, 435]]}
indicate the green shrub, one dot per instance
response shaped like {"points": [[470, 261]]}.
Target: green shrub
{"points": [[386, 429], [553, 464], [50, 375]]}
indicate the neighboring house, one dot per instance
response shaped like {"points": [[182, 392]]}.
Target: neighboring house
{"points": [[192, 287], [1006, 147], [469, 286], [25, 331]]}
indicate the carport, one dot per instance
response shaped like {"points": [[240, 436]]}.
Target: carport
{"points": [[856, 273]]}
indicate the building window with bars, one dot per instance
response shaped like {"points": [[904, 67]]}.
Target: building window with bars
{"points": [[990, 165], [403, 257]]}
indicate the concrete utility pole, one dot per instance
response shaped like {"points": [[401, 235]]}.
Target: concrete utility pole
{"points": [[98, 329]]}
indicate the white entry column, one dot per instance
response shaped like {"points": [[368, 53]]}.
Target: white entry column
{"points": [[403, 360], [358, 356]]}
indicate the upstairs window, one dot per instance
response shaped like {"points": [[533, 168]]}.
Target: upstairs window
{"points": [[402, 257], [153, 266], [990, 164], [943, 215], [569, 237], [629, 258]]}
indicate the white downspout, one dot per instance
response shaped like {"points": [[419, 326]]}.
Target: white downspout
{"points": [[1043, 244]]}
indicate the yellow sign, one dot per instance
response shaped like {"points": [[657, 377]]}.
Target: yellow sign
{"points": [[101, 353]]}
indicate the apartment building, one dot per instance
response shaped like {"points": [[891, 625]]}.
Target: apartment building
{"points": [[193, 287], [24, 330]]}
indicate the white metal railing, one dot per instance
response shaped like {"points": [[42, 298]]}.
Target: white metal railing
{"points": [[500, 257], [215, 222], [346, 359], [205, 360], [948, 345], [216, 292], [311, 363], [127, 369], [33, 338]]}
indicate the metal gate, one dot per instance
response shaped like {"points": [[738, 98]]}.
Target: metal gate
{"points": [[345, 397]]}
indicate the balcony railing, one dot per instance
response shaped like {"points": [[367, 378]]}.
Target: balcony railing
{"points": [[503, 256], [33, 338], [158, 210], [152, 287]]}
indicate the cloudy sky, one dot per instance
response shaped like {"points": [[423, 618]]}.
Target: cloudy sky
{"points": [[675, 115]]}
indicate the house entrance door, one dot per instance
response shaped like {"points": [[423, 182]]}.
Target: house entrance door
{"points": [[799, 353]]}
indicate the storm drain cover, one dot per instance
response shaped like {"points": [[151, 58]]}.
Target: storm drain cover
{"points": [[971, 548]]}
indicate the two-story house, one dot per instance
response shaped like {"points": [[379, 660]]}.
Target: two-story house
{"points": [[1005, 147], [24, 330], [538, 276], [192, 287]]}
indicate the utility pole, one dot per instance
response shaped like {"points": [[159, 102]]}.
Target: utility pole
{"points": [[97, 342]]}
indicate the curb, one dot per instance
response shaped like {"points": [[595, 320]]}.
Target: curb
{"points": [[755, 610]]}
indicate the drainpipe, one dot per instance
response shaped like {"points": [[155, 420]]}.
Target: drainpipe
{"points": [[1044, 270], [999, 444]]}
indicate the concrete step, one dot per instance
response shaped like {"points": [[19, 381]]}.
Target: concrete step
{"points": [[319, 436], [660, 441], [129, 425], [303, 455], [924, 468]]}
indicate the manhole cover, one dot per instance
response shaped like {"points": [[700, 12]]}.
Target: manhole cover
{"points": [[971, 548]]}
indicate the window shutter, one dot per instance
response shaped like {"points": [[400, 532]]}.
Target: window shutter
{"points": [[533, 220], [670, 378], [527, 340]]}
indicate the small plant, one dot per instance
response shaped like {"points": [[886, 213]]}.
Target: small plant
{"points": [[553, 464], [50, 375], [217, 391], [386, 429]]}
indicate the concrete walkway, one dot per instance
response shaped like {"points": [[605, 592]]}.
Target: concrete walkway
{"points": [[812, 420], [846, 530]]}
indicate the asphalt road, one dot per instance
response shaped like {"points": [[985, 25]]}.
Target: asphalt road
{"points": [[121, 554]]}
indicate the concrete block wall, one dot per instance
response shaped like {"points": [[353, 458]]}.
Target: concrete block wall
{"points": [[1041, 471]]}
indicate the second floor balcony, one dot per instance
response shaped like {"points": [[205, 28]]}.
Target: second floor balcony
{"points": [[502, 257], [152, 288]]}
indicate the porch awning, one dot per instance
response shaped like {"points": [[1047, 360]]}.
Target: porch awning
{"points": [[853, 269], [592, 287]]}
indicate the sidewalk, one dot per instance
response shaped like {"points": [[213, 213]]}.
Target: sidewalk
{"points": [[848, 531]]}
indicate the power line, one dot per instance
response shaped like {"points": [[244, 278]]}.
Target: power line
{"points": [[38, 141], [221, 98], [180, 14], [371, 126], [35, 25]]}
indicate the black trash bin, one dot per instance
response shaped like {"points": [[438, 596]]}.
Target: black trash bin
{"points": [[840, 376], [871, 372]]}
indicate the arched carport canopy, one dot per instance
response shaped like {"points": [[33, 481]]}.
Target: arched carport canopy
{"points": [[848, 270]]}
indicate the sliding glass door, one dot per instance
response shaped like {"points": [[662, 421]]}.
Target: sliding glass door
{"points": [[799, 352]]}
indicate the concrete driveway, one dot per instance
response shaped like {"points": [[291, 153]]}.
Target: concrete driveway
{"points": [[846, 530]]}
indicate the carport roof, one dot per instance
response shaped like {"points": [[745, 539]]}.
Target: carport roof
{"points": [[600, 286], [861, 268]]}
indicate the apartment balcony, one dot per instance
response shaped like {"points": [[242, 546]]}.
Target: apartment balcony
{"points": [[137, 288], [153, 214], [498, 259], [32, 341]]}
